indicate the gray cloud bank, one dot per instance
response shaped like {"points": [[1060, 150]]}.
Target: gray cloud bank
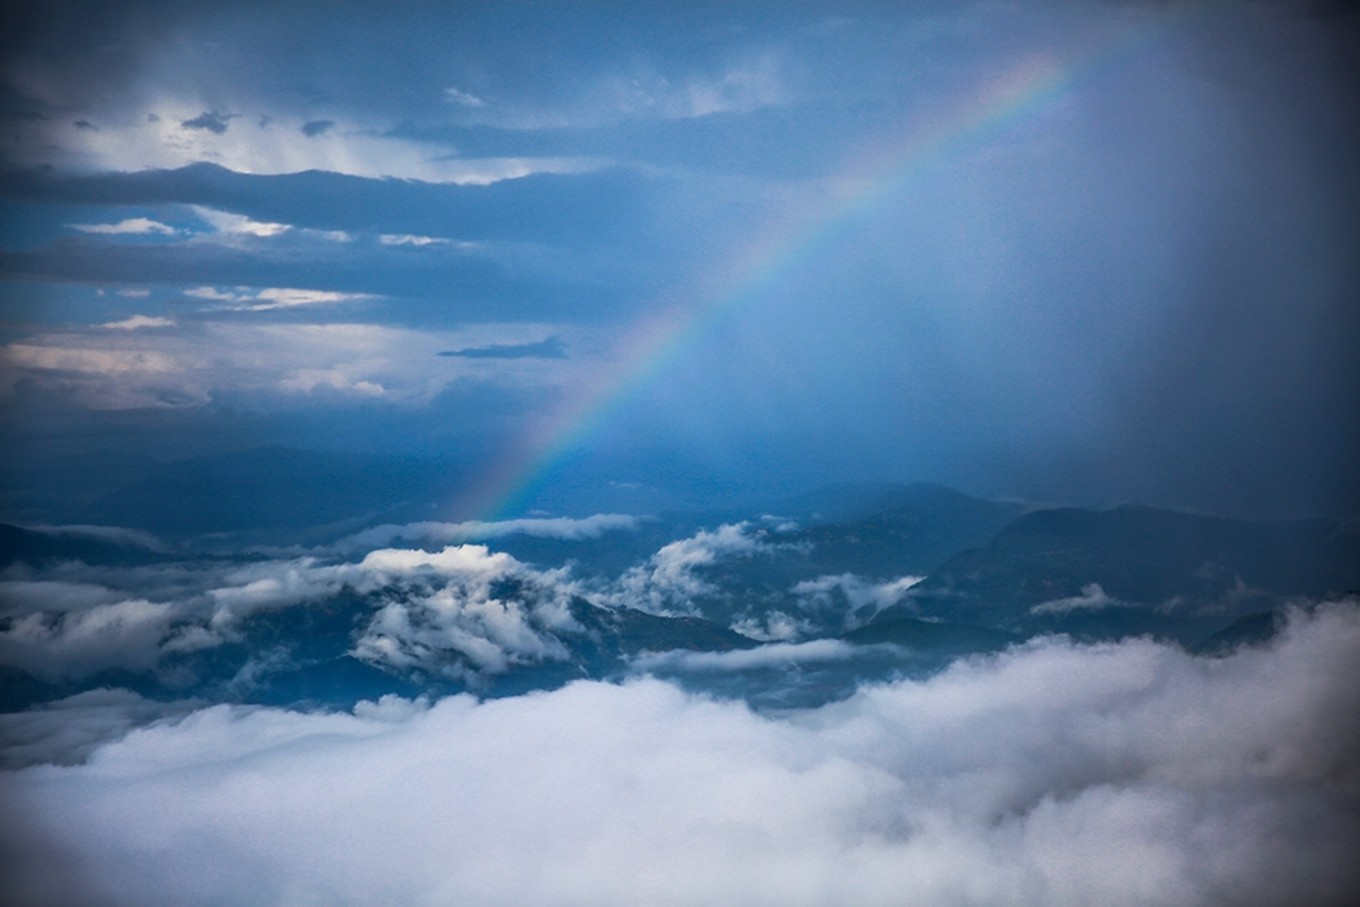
{"points": [[1116, 774]]}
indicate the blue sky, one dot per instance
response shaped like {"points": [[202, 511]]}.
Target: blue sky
{"points": [[602, 247]]}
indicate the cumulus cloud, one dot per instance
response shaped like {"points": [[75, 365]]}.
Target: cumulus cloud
{"points": [[78, 643], [1122, 774], [461, 613], [476, 613], [415, 587]]}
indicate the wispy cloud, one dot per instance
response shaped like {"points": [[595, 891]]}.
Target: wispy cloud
{"points": [[1092, 598], [672, 578], [227, 222], [566, 528], [754, 83], [283, 298], [823, 592], [265, 299], [551, 348], [463, 98], [779, 654], [131, 225], [408, 239], [137, 322]]}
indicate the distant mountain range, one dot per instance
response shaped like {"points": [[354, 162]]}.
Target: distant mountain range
{"points": [[792, 605], [1134, 569]]}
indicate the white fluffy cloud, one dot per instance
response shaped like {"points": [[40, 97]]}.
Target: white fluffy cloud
{"points": [[125, 634], [463, 612], [1121, 774], [671, 579]]}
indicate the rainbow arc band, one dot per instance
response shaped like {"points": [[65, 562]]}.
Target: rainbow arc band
{"points": [[657, 340]]}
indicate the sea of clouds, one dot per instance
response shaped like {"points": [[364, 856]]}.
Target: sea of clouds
{"points": [[1054, 773]]}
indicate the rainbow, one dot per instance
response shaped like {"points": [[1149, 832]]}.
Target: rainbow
{"points": [[658, 340]]}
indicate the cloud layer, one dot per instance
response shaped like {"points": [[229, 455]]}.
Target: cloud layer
{"points": [[1121, 774]]}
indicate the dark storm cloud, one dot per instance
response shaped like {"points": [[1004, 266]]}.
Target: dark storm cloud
{"points": [[316, 127], [551, 348], [1138, 286], [210, 120]]}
